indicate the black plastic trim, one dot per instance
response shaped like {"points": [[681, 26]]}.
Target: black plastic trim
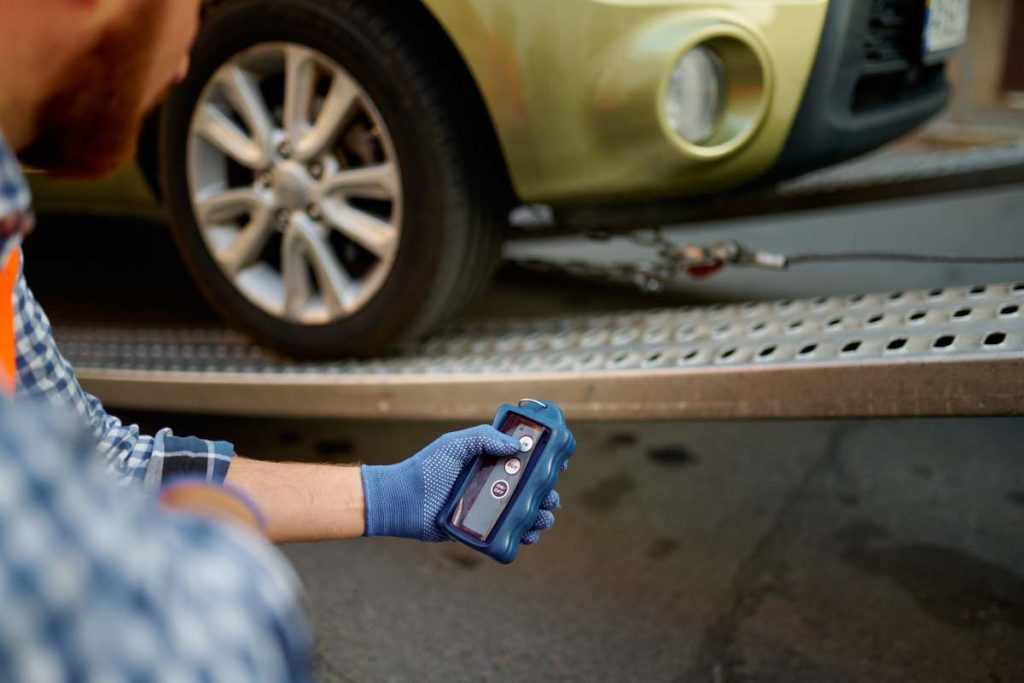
{"points": [[829, 127]]}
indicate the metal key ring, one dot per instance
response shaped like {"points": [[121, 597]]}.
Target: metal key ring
{"points": [[532, 400]]}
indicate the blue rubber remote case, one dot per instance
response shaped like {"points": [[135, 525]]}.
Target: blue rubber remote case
{"points": [[496, 500]]}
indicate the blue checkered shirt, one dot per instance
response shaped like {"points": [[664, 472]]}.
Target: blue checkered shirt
{"points": [[97, 582], [42, 372]]}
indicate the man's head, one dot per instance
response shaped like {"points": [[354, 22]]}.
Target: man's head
{"points": [[92, 70]]}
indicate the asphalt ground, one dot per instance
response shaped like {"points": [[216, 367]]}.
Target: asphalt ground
{"points": [[685, 551]]}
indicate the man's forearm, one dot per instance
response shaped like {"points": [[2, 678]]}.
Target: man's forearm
{"points": [[303, 502]]}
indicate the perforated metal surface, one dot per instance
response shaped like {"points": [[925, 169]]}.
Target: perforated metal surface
{"points": [[944, 351]]}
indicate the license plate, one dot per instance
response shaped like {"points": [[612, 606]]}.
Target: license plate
{"points": [[945, 25]]}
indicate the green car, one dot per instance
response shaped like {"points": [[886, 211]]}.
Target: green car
{"points": [[338, 174]]}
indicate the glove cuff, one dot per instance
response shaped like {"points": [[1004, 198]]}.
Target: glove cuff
{"points": [[390, 504]]}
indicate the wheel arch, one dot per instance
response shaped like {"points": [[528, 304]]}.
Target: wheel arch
{"points": [[418, 19]]}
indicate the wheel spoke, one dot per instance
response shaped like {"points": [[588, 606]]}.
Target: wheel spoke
{"points": [[295, 274], [334, 113], [222, 207], [299, 80], [220, 131], [249, 244], [370, 182], [373, 234], [244, 95], [336, 287]]}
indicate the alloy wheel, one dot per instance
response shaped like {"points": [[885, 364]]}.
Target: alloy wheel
{"points": [[295, 184]]}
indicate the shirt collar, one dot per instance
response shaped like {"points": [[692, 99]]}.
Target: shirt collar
{"points": [[14, 194], [16, 218]]}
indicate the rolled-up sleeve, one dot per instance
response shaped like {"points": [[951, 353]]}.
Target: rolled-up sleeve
{"points": [[43, 373]]}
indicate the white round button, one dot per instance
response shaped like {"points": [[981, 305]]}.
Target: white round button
{"points": [[513, 465], [500, 489], [525, 443]]}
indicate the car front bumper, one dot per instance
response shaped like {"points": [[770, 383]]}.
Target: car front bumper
{"points": [[575, 89]]}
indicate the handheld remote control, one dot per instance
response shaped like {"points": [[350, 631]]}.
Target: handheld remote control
{"points": [[496, 500]]}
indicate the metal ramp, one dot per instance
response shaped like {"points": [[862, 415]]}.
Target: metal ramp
{"points": [[955, 351]]}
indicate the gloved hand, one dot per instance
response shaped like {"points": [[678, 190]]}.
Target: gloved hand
{"points": [[405, 499]]}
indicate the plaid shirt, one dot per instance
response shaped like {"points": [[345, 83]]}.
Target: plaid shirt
{"points": [[98, 583], [42, 372]]}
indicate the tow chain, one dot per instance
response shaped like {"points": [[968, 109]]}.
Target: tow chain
{"points": [[675, 262], [671, 262]]}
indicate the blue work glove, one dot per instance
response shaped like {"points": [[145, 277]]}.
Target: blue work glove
{"points": [[405, 499]]}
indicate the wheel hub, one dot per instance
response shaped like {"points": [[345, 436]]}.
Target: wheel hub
{"points": [[292, 185]]}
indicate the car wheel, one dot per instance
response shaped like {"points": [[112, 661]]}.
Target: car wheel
{"points": [[321, 184]]}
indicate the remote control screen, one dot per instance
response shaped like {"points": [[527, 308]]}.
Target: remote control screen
{"points": [[494, 484]]}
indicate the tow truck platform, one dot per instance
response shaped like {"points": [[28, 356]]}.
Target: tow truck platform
{"points": [[938, 352], [953, 351]]}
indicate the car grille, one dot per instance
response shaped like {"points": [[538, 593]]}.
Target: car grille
{"points": [[891, 68], [892, 41]]}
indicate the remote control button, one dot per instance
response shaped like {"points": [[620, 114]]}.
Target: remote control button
{"points": [[525, 443], [513, 465], [500, 489]]}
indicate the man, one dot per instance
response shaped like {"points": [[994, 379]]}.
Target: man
{"points": [[98, 584]]}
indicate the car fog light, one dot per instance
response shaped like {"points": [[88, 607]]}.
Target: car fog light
{"points": [[696, 95]]}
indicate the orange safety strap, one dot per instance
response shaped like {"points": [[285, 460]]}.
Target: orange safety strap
{"points": [[8, 348]]}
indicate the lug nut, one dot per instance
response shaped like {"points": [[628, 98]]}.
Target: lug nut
{"points": [[314, 212], [264, 179], [316, 170], [284, 149], [282, 218]]}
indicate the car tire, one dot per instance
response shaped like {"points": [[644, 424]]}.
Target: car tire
{"points": [[454, 207]]}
